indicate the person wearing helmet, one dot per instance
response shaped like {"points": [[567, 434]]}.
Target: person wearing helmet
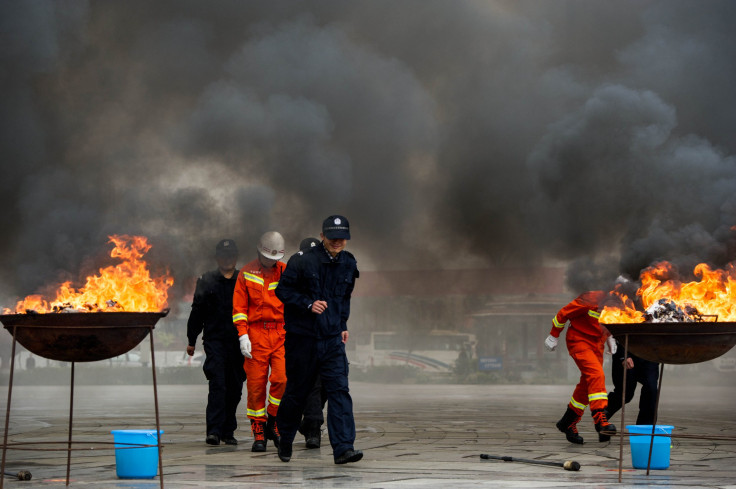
{"points": [[316, 288], [223, 365], [586, 341], [258, 316]]}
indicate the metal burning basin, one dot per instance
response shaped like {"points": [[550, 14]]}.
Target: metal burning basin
{"points": [[676, 342], [83, 336]]}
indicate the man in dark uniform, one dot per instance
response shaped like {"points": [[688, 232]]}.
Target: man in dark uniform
{"points": [[212, 311], [315, 288], [313, 418], [639, 371]]}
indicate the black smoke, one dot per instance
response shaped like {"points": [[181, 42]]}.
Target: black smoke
{"points": [[452, 134]]}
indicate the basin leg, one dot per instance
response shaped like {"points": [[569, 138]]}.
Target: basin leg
{"points": [[71, 410], [623, 413], [656, 411], [7, 409], [155, 402]]}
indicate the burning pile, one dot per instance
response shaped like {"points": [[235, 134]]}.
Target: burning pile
{"points": [[127, 286], [665, 297], [666, 310]]}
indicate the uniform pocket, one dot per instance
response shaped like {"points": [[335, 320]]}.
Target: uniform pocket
{"points": [[342, 285], [312, 279]]}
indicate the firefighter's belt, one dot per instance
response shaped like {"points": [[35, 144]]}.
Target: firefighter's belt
{"points": [[267, 324]]}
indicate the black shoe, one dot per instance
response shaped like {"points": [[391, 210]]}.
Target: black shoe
{"points": [[571, 433], [229, 440], [259, 437], [285, 452], [349, 456], [313, 439], [272, 431], [212, 439], [602, 426], [568, 424], [605, 432], [258, 446]]}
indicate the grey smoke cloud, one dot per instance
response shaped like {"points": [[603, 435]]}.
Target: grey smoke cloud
{"points": [[450, 133]]}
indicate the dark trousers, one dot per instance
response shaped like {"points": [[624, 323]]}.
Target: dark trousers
{"points": [[223, 367], [313, 407], [306, 359], [645, 373]]}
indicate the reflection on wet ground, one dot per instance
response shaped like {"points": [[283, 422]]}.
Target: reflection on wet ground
{"points": [[413, 436]]}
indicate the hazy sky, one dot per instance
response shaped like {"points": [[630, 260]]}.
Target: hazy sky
{"points": [[450, 133]]}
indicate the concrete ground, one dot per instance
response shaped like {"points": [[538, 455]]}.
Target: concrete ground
{"points": [[413, 436]]}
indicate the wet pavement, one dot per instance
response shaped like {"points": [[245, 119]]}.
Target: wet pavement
{"points": [[413, 436]]}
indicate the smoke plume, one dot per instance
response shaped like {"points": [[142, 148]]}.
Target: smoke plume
{"points": [[452, 134]]}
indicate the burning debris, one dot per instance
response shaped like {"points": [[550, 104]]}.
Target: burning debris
{"points": [[109, 306], [665, 296], [666, 310]]}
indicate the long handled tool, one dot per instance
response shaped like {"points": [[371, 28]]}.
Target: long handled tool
{"points": [[567, 465], [22, 475]]}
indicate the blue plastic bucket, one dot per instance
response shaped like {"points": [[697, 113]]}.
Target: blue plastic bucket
{"points": [[640, 446], [132, 462]]}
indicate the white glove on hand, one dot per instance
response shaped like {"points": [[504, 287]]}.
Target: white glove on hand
{"points": [[245, 346], [550, 343], [611, 345]]}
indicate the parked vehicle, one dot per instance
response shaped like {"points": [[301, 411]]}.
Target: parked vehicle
{"points": [[436, 351], [129, 359]]}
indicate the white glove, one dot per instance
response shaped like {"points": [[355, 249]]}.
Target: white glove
{"points": [[245, 346], [550, 343], [611, 345]]}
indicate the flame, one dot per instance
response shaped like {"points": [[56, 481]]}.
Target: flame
{"points": [[127, 286], [714, 294], [624, 312]]}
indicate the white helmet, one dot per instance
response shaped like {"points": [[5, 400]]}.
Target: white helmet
{"points": [[271, 245]]}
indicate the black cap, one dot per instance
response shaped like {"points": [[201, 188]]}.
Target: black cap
{"points": [[308, 243], [226, 247], [336, 227]]}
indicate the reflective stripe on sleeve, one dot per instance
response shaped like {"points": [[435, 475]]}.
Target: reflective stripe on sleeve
{"points": [[273, 285], [273, 400], [594, 314], [240, 317], [557, 324]]}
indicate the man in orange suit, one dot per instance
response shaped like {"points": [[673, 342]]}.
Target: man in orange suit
{"points": [[585, 343], [259, 317]]}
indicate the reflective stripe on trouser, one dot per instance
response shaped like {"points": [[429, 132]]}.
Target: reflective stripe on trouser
{"points": [[267, 349], [307, 358], [591, 388]]}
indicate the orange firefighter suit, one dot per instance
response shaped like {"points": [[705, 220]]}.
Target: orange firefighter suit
{"points": [[258, 313], [585, 343]]}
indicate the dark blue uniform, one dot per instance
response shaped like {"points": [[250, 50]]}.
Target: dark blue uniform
{"points": [[314, 344], [212, 311], [645, 373]]}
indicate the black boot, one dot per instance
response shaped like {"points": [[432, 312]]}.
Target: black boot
{"points": [[602, 426], [312, 433], [272, 431], [568, 425], [313, 438], [284, 452], [259, 439]]}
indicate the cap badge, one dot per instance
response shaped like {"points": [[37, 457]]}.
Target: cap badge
{"points": [[337, 221]]}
